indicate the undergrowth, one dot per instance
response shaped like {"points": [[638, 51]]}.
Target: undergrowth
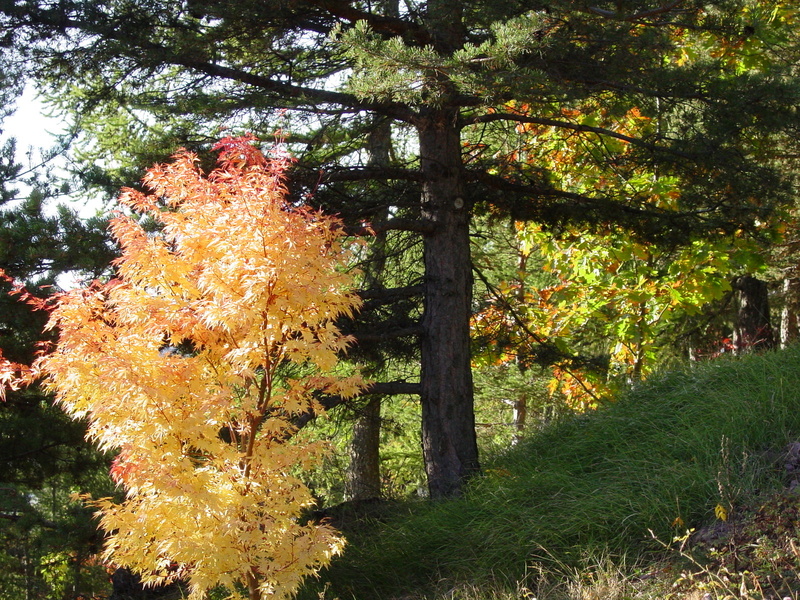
{"points": [[591, 506]]}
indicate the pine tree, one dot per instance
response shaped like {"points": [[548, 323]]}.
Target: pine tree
{"points": [[711, 76], [48, 543]]}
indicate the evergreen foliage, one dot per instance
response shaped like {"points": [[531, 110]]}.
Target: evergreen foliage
{"points": [[48, 543]]}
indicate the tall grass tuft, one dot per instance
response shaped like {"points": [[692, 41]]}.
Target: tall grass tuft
{"points": [[663, 458]]}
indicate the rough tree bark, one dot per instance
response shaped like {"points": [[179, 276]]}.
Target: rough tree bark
{"points": [[753, 330], [363, 480], [448, 421]]}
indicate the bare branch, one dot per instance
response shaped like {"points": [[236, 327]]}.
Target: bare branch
{"points": [[371, 338], [369, 173], [385, 296], [382, 388], [397, 224]]}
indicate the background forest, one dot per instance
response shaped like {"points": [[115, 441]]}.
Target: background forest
{"points": [[557, 214]]}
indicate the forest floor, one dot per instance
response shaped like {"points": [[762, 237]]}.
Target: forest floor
{"points": [[685, 488]]}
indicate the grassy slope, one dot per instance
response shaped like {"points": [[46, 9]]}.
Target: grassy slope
{"points": [[661, 459]]}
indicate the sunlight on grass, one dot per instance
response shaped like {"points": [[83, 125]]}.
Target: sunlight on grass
{"points": [[567, 514]]}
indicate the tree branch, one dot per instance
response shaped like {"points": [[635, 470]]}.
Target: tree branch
{"points": [[287, 90], [601, 131], [543, 202], [369, 173], [382, 24], [386, 296], [40, 520], [396, 224], [545, 353], [382, 388], [53, 19], [372, 338], [391, 388], [31, 452], [645, 14], [533, 189]]}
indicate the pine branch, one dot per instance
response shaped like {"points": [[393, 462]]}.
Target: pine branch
{"points": [[372, 338], [378, 388], [40, 520], [387, 296], [59, 21], [606, 205], [369, 173], [28, 453], [601, 131], [645, 14], [391, 26], [391, 388], [286, 90], [396, 224]]}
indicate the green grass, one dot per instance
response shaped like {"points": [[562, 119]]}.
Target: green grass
{"points": [[583, 495]]}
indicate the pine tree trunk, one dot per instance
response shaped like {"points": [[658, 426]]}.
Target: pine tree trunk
{"points": [[363, 480], [448, 421], [364, 473], [753, 329], [790, 312]]}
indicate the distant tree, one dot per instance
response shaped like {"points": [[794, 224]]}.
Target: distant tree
{"points": [[10, 89], [139, 75]]}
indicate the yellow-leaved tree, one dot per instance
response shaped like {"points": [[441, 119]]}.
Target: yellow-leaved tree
{"points": [[193, 364]]}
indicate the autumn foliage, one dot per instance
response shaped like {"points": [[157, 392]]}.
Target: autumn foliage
{"points": [[218, 332]]}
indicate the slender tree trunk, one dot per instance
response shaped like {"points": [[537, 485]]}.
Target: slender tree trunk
{"points": [[753, 329], [26, 562], [520, 416], [448, 421], [363, 481], [790, 312]]}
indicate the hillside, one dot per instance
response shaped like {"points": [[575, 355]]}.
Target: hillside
{"points": [[602, 505]]}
